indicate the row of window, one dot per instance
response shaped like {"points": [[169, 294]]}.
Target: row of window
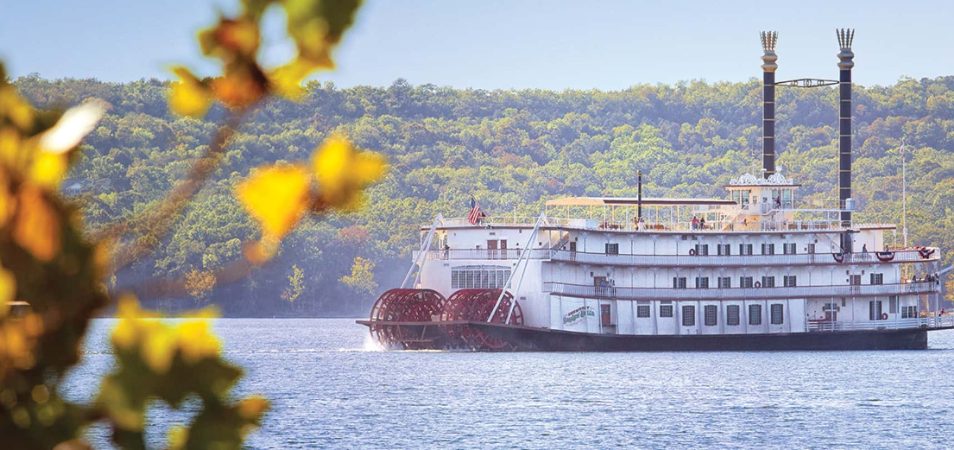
{"points": [[726, 249], [746, 249], [767, 281], [710, 314]]}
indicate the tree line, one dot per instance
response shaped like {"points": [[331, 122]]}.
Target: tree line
{"points": [[511, 149]]}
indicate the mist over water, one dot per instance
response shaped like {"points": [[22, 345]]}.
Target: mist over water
{"points": [[333, 387]]}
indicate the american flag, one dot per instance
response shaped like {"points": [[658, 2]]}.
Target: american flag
{"points": [[475, 213]]}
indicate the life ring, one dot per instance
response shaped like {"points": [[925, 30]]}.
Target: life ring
{"points": [[692, 252], [884, 316], [839, 257], [758, 284], [884, 256]]}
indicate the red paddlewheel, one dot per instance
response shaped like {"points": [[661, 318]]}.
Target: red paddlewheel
{"points": [[476, 305], [405, 305]]}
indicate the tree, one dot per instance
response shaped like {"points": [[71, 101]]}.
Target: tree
{"points": [[296, 284], [361, 279]]}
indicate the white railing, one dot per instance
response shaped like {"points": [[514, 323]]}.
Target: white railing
{"points": [[484, 254], [735, 260], [640, 293], [887, 324]]}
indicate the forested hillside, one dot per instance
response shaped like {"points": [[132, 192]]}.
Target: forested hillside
{"points": [[511, 149]]}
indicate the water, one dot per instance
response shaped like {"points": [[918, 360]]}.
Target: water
{"points": [[331, 389]]}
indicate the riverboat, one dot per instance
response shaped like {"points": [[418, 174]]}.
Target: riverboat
{"points": [[751, 271]]}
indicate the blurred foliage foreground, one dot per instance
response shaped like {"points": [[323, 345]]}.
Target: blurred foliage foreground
{"points": [[49, 261]]}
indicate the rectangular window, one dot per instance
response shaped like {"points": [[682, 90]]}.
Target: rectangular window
{"points": [[665, 310], [768, 281], [678, 282], [788, 249], [877, 278], [789, 280], [745, 282], [768, 249], [909, 312], [725, 282], [777, 317], [702, 249], [893, 304], [642, 311], [811, 249], [755, 314], [702, 282], [854, 280], [745, 249], [724, 249], [711, 312], [732, 315], [874, 310], [688, 315], [612, 249]]}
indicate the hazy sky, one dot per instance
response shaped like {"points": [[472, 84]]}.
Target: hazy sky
{"points": [[504, 44]]}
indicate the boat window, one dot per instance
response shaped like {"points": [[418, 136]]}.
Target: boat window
{"points": [[755, 314], [665, 310], [877, 278], [725, 282], [678, 282], [710, 315], [612, 249], [777, 316], [702, 282], [732, 315], [788, 249], [745, 282], [688, 315], [789, 280], [768, 281], [642, 311]]}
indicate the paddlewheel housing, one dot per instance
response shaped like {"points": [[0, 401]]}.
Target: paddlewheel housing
{"points": [[476, 305], [413, 308]]}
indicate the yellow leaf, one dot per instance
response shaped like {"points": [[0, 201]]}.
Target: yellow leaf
{"points": [[36, 227], [189, 97], [196, 340], [48, 169], [158, 348], [276, 197], [343, 172], [8, 290], [251, 408], [287, 79]]}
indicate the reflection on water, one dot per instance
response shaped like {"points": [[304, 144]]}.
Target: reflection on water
{"points": [[332, 387]]}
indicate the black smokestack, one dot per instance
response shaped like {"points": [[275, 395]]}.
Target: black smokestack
{"points": [[845, 64], [769, 38]]}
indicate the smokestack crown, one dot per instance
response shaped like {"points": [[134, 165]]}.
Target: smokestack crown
{"points": [[769, 38], [846, 56]]}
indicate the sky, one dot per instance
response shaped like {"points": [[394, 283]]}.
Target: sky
{"points": [[490, 44]]}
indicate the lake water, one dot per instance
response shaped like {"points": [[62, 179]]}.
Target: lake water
{"points": [[330, 388]]}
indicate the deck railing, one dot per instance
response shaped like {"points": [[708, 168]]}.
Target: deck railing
{"points": [[887, 324], [640, 293], [736, 260], [678, 260]]}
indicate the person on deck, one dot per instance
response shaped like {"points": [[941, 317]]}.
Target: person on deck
{"points": [[695, 222]]}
